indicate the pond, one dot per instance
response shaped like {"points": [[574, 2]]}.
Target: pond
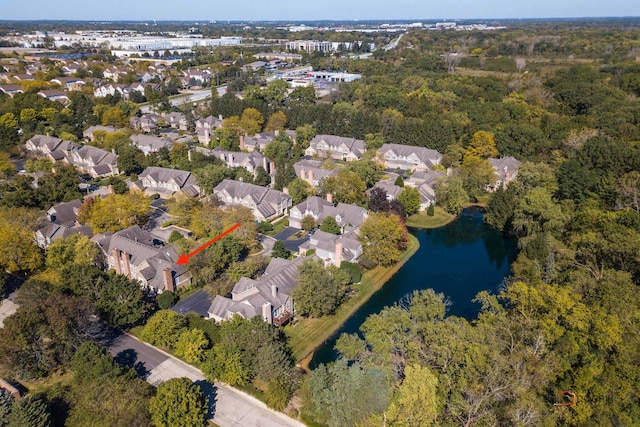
{"points": [[459, 260]]}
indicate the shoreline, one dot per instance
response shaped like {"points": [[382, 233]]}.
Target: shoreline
{"points": [[372, 281]]}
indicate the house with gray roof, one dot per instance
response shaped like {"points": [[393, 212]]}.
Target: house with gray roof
{"points": [[333, 249], [94, 161], [348, 217], [11, 90], [176, 120], [408, 157], [338, 147], [88, 134], [150, 143], [506, 170], [145, 123], [205, 128], [259, 141], [264, 202], [249, 161], [425, 182], [136, 254], [392, 190], [167, 182], [46, 145], [312, 171], [268, 296], [61, 221]]}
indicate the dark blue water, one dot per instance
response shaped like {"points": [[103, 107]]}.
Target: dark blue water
{"points": [[459, 260]]}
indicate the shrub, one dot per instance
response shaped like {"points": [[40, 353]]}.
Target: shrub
{"points": [[431, 210], [166, 300]]}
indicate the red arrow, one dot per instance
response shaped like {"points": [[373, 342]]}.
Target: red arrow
{"points": [[184, 259]]}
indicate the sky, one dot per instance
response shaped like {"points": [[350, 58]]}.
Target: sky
{"points": [[264, 10]]}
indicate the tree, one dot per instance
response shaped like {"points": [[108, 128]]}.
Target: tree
{"points": [[367, 170], [382, 238], [346, 187], [300, 190], [178, 403], [60, 186], [6, 401], [409, 198], [251, 121], [29, 412], [416, 403], [191, 345], [431, 209], [120, 301], [117, 212], [308, 223], [279, 250], [276, 92], [103, 394], [277, 122], [450, 194], [342, 394], [115, 117], [16, 240], [262, 177], [399, 181], [74, 250], [164, 329], [329, 225], [482, 144], [166, 300], [320, 290], [42, 336], [304, 135]]}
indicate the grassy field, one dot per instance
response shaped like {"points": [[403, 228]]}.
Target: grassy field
{"points": [[422, 220], [307, 334]]}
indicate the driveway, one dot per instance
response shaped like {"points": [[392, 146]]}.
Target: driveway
{"points": [[291, 245], [228, 406]]}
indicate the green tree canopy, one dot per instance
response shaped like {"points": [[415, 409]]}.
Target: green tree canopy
{"points": [[178, 403]]}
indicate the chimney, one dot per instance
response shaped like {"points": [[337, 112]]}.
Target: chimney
{"points": [[241, 142], [272, 167], [338, 253], [507, 176], [285, 190], [265, 165], [189, 155], [310, 180], [266, 313], [220, 117], [274, 291], [277, 132], [116, 260], [207, 138], [110, 189], [168, 280], [303, 175], [329, 197], [127, 267]]}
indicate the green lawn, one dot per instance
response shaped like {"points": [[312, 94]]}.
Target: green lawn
{"points": [[422, 220], [307, 334]]}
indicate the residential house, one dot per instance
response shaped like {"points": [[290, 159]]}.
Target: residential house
{"points": [[167, 182], [94, 161], [408, 157], [47, 145], [506, 170], [11, 90], [145, 123], [392, 190], [88, 134], [259, 141], [69, 83], [348, 217], [176, 120], [265, 203], [249, 161], [150, 143], [270, 296], [312, 171], [55, 95], [205, 128], [425, 182], [61, 221], [333, 249], [338, 147], [136, 254]]}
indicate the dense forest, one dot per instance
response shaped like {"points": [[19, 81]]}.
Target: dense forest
{"points": [[558, 345]]}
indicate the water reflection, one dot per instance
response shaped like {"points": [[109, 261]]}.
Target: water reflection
{"points": [[459, 260]]}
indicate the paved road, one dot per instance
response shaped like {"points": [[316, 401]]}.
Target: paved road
{"points": [[291, 245], [229, 407]]}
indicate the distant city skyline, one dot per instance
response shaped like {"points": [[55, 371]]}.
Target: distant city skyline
{"points": [[289, 10]]}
